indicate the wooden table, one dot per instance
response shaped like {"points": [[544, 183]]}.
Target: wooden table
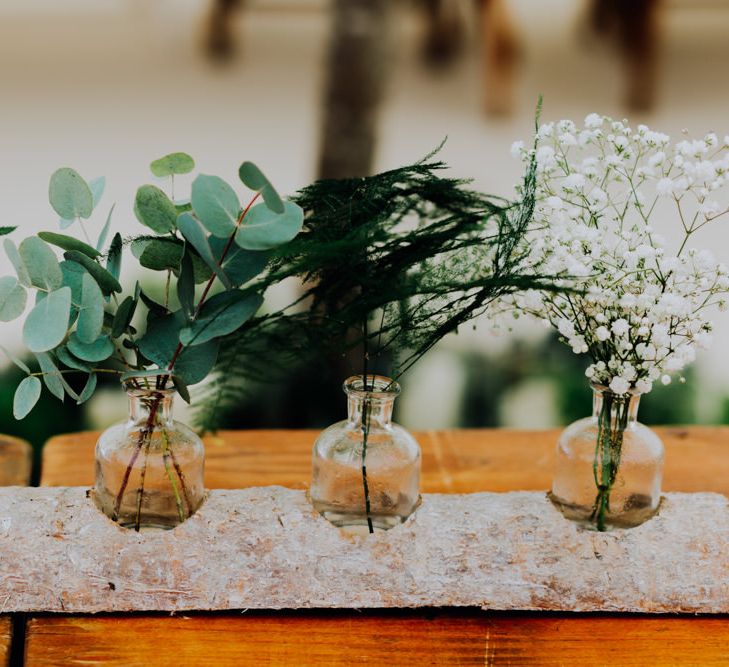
{"points": [[15, 466], [453, 462], [15, 462]]}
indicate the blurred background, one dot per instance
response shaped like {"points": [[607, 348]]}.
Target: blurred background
{"points": [[310, 88]]}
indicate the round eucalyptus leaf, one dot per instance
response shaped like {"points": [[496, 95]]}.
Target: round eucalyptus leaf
{"points": [[13, 298], [221, 315], [52, 378], [215, 204], [46, 325], [70, 195], [67, 359], [254, 178], [69, 243], [73, 274], [105, 230], [88, 390], [174, 163], [16, 260], [154, 209], [114, 258], [194, 363], [91, 310], [26, 396], [18, 362], [162, 254], [262, 229], [106, 281], [123, 316], [100, 350], [97, 186], [194, 234], [41, 263], [240, 265], [161, 338]]}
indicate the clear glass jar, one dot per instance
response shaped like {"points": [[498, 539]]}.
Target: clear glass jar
{"points": [[366, 469], [609, 466], [149, 468]]}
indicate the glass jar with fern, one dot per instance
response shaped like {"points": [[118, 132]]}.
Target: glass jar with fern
{"points": [[366, 469]]}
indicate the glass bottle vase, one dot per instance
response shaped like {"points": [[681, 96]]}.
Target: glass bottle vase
{"points": [[366, 469], [149, 468], [609, 466]]}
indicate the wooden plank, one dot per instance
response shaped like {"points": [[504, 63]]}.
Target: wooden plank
{"points": [[405, 638], [697, 459], [15, 461], [5, 639]]}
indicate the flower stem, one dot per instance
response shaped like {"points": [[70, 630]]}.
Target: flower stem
{"points": [[161, 383], [612, 422], [140, 490], [366, 429]]}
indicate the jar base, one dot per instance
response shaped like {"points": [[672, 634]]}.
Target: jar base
{"points": [[640, 510], [356, 523]]}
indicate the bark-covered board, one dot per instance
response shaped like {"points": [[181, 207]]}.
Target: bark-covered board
{"points": [[264, 548]]}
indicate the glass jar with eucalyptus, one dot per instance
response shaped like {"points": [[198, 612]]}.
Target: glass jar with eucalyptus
{"points": [[609, 466], [366, 469], [149, 468]]}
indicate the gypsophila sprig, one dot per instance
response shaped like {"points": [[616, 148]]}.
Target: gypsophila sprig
{"points": [[643, 307]]}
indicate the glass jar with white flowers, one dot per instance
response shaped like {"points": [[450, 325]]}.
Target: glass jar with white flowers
{"points": [[638, 297]]}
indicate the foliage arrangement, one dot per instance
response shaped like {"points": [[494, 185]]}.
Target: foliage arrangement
{"points": [[82, 322], [642, 308], [387, 269]]}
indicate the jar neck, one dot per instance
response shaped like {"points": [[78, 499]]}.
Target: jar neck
{"points": [[150, 408], [373, 402], [620, 410]]}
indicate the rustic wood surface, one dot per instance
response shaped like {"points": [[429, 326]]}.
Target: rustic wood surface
{"points": [[464, 461], [265, 547], [405, 639], [15, 461], [455, 461], [15, 466], [5, 638]]}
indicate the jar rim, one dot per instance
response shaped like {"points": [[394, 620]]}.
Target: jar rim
{"points": [[378, 386], [140, 390]]}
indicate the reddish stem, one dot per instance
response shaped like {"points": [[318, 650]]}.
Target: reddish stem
{"points": [[162, 382]]}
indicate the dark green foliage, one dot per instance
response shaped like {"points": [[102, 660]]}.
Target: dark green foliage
{"points": [[389, 264]]}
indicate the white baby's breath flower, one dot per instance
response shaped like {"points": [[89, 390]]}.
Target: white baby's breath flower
{"points": [[619, 386], [602, 333], [594, 120], [664, 187], [641, 306], [517, 148], [620, 327]]}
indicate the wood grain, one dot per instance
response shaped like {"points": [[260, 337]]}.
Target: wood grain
{"points": [[405, 638], [697, 459], [15, 461], [5, 639]]}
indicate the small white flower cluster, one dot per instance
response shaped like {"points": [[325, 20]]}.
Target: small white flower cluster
{"points": [[639, 310]]}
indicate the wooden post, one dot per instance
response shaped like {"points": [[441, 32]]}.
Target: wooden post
{"points": [[356, 74]]}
